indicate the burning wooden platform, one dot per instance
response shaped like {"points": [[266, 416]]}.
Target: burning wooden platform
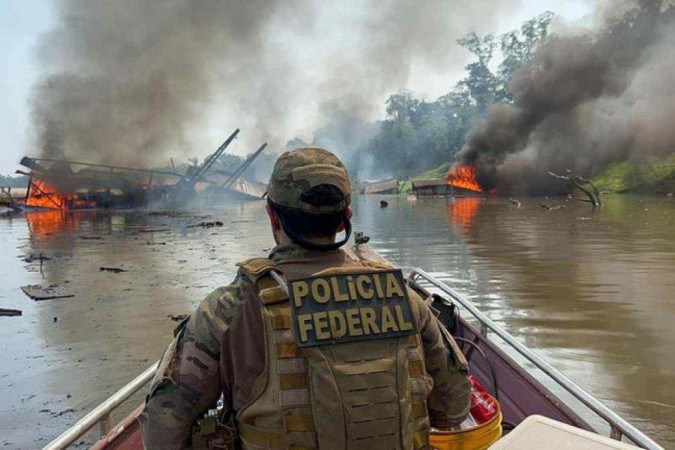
{"points": [[65, 185], [463, 181]]}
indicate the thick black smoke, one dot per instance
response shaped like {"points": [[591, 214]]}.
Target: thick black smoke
{"points": [[584, 102], [134, 81]]}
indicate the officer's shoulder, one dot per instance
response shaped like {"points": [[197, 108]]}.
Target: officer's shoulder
{"points": [[221, 298], [216, 311], [378, 264], [255, 268]]}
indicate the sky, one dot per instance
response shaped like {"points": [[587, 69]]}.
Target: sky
{"points": [[24, 22]]}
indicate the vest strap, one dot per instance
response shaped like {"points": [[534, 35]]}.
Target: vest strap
{"points": [[262, 438], [273, 295], [293, 381], [293, 397], [281, 323], [419, 409], [299, 422], [254, 268], [415, 369], [421, 439], [288, 350]]}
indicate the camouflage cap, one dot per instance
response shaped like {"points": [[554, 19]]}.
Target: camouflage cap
{"points": [[298, 171]]}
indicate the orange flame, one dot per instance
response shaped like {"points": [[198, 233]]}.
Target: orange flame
{"points": [[464, 177], [42, 194]]}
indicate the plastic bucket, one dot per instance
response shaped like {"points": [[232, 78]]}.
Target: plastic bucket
{"points": [[476, 438]]}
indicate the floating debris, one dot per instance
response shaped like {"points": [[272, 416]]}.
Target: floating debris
{"points": [[36, 257], [514, 202], [178, 317], [384, 203], [154, 230], [112, 269], [10, 312], [38, 292], [216, 223], [57, 413]]}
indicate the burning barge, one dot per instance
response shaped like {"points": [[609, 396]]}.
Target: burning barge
{"points": [[56, 184]]}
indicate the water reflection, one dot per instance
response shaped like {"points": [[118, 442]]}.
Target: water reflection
{"points": [[462, 212]]}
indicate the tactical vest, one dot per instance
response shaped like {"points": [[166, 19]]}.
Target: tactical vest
{"points": [[356, 395]]}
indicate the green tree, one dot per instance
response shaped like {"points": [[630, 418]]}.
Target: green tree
{"points": [[480, 87], [518, 47], [402, 108]]}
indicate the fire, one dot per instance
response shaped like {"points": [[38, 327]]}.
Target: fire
{"points": [[464, 177], [42, 194]]}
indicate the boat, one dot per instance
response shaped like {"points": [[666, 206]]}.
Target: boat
{"points": [[496, 359]]}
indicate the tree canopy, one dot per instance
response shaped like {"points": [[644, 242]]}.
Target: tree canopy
{"points": [[417, 134]]}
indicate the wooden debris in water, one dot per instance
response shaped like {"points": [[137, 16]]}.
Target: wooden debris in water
{"points": [[48, 292], [10, 312], [552, 208], [579, 182], [36, 257], [216, 223], [112, 269], [178, 317]]}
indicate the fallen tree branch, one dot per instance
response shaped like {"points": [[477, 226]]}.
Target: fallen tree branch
{"points": [[578, 182]]}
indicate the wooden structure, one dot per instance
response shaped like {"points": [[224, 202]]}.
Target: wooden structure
{"points": [[387, 187], [431, 187], [64, 184]]}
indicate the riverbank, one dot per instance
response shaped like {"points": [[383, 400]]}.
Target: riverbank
{"points": [[651, 176]]}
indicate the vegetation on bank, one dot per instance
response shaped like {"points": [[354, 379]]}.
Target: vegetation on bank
{"points": [[652, 175]]}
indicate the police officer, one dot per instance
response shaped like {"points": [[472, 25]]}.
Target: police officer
{"points": [[312, 347]]}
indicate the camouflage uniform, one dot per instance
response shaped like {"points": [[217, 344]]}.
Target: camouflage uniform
{"points": [[221, 347]]}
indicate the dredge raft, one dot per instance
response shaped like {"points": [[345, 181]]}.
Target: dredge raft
{"points": [[59, 184]]}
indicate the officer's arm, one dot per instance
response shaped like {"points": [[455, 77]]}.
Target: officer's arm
{"points": [[187, 382], [448, 403]]}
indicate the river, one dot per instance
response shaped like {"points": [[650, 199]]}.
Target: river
{"points": [[591, 290]]}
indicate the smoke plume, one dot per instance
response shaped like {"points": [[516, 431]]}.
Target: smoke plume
{"points": [[585, 101], [134, 81]]}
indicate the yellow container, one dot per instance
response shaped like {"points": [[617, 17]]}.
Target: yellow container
{"points": [[477, 438]]}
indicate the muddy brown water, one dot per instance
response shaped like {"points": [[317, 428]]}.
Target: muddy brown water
{"points": [[591, 290]]}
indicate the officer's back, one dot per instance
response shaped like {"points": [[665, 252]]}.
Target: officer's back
{"points": [[310, 347]]}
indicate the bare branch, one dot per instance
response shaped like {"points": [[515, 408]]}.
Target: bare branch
{"points": [[578, 182]]}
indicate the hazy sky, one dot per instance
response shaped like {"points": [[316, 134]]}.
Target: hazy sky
{"points": [[23, 22]]}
